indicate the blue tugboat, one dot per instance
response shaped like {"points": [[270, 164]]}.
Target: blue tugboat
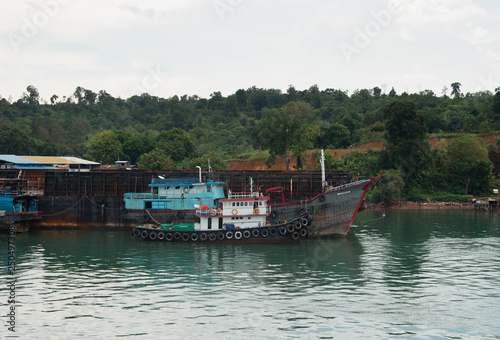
{"points": [[172, 200], [18, 204]]}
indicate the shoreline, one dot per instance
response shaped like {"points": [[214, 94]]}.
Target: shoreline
{"points": [[426, 206]]}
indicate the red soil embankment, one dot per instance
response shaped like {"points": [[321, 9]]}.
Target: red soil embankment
{"points": [[280, 163]]}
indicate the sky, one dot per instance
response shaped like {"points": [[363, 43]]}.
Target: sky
{"points": [[198, 47]]}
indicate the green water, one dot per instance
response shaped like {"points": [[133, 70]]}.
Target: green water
{"points": [[425, 275]]}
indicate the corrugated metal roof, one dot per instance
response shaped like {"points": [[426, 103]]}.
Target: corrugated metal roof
{"points": [[44, 160], [33, 167], [49, 160], [81, 161], [17, 159]]}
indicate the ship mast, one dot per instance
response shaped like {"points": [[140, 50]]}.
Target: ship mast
{"points": [[323, 176]]}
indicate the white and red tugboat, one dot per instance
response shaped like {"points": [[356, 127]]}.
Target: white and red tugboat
{"points": [[240, 217]]}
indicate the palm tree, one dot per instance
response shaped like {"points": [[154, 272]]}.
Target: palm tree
{"points": [[455, 89]]}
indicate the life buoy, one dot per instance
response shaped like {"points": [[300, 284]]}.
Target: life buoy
{"points": [[256, 211], [185, 190], [136, 232], [212, 237], [213, 212], [247, 234], [237, 235], [234, 211]]}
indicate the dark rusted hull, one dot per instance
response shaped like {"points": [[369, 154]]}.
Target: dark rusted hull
{"points": [[20, 221], [332, 212]]}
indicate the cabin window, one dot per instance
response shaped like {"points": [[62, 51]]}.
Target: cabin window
{"points": [[209, 188], [209, 223], [147, 205], [220, 223]]}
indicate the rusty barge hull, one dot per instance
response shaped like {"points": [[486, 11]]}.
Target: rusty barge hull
{"points": [[95, 199]]}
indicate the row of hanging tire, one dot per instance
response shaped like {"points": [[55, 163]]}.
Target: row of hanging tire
{"points": [[296, 229]]}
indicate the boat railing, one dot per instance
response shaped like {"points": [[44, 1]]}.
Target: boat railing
{"points": [[346, 185], [209, 212], [236, 195], [173, 181], [30, 191], [24, 191], [150, 196], [9, 193]]}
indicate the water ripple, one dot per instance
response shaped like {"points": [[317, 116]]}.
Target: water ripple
{"points": [[407, 276]]}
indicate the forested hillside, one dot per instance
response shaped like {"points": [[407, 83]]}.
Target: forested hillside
{"points": [[182, 132]]}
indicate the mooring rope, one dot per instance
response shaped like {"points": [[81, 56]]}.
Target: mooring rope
{"points": [[153, 217], [62, 212], [376, 219]]}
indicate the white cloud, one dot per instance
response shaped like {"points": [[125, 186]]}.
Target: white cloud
{"points": [[111, 45]]}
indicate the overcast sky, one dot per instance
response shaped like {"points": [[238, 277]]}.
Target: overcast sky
{"points": [[197, 47]]}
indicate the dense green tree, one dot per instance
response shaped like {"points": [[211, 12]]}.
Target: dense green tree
{"points": [[388, 188], [156, 159], [215, 159], [32, 97], [241, 98], [455, 89], [334, 136], [136, 145], [13, 140], [406, 137], [469, 163], [288, 131], [236, 124], [258, 98], [105, 147], [496, 107], [177, 143]]}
